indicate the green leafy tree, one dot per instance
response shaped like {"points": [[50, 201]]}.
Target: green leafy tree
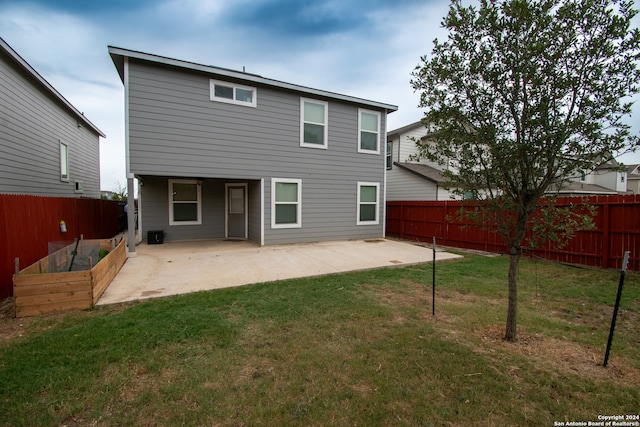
{"points": [[521, 96], [120, 193]]}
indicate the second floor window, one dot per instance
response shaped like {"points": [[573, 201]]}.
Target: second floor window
{"points": [[389, 155], [313, 123], [368, 138], [232, 93]]}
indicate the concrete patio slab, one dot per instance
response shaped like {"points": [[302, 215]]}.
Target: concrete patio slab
{"points": [[183, 267]]}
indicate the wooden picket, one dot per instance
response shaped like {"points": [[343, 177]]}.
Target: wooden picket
{"points": [[617, 229], [29, 223], [40, 293]]}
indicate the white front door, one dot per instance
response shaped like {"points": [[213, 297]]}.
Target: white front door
{"points": [[236, 211]]}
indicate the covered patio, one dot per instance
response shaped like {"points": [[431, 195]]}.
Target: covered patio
{"points": [[183, 267]]}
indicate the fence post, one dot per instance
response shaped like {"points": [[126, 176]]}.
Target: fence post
{"points": [[402, 219], [604, 260], [445, 230]]}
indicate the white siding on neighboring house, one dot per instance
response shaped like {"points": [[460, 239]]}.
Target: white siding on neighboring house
{"points": [[402, 184], [633, 179], [606, 179]]}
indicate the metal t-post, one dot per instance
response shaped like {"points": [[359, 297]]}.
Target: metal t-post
{"points": [[615, 309], [433, 280]]}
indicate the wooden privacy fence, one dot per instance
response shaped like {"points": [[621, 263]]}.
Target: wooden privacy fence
{"points": [[29, 223], [617, 229], [37, 290]]}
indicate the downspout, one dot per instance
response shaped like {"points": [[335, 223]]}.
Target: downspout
{"points": [[131, 197], [384, 187], [261, 211]]}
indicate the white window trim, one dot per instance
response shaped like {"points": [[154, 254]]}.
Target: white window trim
{"points": [[377, 220], [199, 201], [325, 124], [360, 149], [298, 223], [213, 97], [64, 154]]}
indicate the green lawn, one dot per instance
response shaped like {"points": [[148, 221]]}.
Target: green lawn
{"points": [[351, 349]]}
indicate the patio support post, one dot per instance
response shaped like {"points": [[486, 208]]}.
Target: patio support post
{"points": [[131, 218]]}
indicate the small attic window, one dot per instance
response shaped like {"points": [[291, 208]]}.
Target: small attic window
{"points": [[232, 93]]}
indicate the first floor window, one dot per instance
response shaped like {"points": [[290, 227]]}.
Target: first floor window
{"points": [[368, 206], [185, 202], [286, 203], [64, 162]]}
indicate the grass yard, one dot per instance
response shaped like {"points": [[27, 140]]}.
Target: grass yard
{"points": [[357, 349]]}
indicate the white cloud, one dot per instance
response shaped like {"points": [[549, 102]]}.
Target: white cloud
{"points": [[372, 61], [71, 54]]}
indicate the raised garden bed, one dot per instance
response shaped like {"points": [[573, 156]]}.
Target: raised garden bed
{"points": [[36, 291]]}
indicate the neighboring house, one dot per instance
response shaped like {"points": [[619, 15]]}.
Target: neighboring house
{"points": [[409, 179], [47, 146], [633, 179], [607, 179], [228, 154], [422, 180]]}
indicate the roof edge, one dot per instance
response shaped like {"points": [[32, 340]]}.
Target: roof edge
{"points": [[44, 83], [403, 166], [399, 131], [118, 54]]}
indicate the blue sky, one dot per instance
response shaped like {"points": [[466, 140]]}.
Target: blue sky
{"points": [[361, 48]]}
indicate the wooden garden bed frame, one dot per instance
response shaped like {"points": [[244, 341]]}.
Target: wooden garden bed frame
{"points": [[37, 292]]}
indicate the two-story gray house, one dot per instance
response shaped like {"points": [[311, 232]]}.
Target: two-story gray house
{"points": [[47, 146], [228, 154]]}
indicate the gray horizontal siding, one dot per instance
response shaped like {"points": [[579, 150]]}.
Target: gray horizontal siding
{"points": [[175, 130], [329, 212], [254, 212], [154, 203], [32, 124], [403, 185]]}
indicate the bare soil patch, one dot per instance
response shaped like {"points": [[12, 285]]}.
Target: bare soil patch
{"points": [[567, 356], [10, 327]]}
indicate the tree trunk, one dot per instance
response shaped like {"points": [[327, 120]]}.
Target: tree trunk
{"points": [[512, 310]]}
